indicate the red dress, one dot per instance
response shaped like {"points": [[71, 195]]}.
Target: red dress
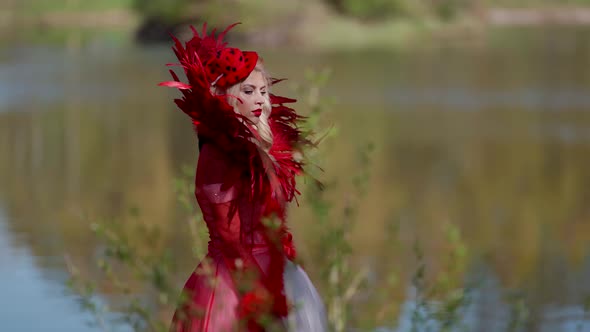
{"points": [[220, 295], [212, 289]]}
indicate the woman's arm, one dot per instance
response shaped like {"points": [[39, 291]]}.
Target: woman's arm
{"points": [[217, 187], [228, 227]]}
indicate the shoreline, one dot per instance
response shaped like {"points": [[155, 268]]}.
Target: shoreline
{"points": [[494, 15], [537, 16], [323, 31]]}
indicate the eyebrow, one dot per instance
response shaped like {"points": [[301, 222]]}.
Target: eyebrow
{"points": [[252, 86]]}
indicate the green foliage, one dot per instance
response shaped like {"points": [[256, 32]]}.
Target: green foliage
{"points": [[143, 278], [146, 278], [184, 189], [443, 300], [370, 9], [40, 7], [378, 10], [341, 281], [448, 9], [170, 10], [519, 311]]}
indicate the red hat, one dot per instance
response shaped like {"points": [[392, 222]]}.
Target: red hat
{"points": [[230, 66]]}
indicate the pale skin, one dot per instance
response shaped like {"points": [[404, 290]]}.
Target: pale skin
{"points": [[252, 93]]}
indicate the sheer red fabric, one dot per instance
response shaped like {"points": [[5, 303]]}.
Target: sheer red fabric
{"points": [[235, 284]]}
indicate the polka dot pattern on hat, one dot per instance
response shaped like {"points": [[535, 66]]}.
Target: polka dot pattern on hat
{"points": [[231, 66]]}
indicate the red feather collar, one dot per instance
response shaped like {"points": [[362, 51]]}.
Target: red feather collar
{"points": [[272, 173]]}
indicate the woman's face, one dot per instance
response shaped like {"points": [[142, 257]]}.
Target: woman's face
{"points": [[253, 95]]}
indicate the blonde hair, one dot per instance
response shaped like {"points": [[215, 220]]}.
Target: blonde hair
{"points": [[262, 126]]}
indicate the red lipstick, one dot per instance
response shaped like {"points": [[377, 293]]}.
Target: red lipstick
{"points": [[257, 112]]}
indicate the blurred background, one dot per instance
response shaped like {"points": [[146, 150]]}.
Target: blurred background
{"points": [[477, 191]]}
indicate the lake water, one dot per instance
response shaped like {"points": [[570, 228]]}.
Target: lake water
{"points": [[489, 133]]}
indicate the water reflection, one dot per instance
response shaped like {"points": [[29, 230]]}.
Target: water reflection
{"points": [[34, 296], [491, 308], [489, 138], [469, 99]]}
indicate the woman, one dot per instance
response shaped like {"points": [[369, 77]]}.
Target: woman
{"points": [[245, 177]]}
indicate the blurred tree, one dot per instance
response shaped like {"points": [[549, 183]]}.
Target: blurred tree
{"points": [[448, 9], [162, 17], [370, 9], [165, 10], [377, 10]]}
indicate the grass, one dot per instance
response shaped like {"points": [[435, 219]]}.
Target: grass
{"points": [[73, 38], [340, 33], [70, 22], [536, 3], [32, 8]]}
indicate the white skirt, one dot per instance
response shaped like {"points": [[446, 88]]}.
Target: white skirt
{"points": [[309, 313]]}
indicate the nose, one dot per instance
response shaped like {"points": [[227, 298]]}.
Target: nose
{"points": [[259, 100]]}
